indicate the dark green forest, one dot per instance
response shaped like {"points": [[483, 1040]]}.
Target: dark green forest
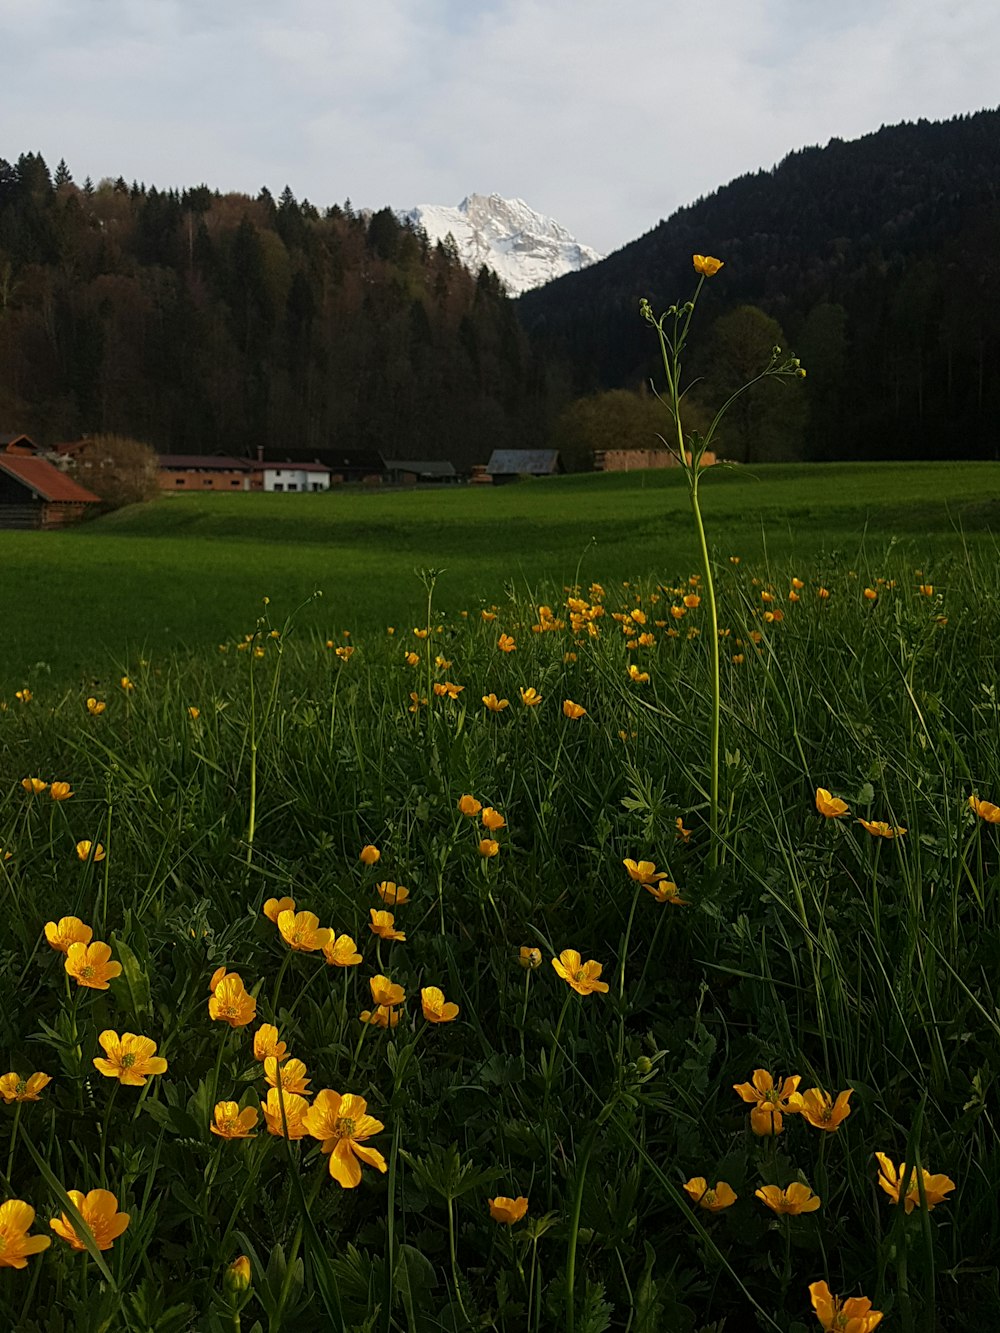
{"points": [[876, 261], [202, 322]]}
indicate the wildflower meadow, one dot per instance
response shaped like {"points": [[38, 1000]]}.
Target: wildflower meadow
{"points": [[622, 958]]}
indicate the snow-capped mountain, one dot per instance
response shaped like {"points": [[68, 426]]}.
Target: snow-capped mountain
{"points": [[524, 248]]}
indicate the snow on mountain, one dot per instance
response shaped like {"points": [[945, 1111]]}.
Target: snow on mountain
{"points": [[523, 247]]}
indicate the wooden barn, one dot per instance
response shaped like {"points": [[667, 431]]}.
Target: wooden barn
{"points": [[33, 493]]}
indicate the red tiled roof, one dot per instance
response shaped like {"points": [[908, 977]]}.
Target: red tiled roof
{"points": [[46, 480]]}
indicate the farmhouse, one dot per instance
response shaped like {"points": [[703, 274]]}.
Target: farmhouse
{"points": [[510, 464], [419, 471], [33, 493], [204, 472], [291, 476]]}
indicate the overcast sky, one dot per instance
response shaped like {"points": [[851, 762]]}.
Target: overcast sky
{"points": [[604, 114]]}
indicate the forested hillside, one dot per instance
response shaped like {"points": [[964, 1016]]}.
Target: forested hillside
{"points": [[878, 259], [200, 322]]}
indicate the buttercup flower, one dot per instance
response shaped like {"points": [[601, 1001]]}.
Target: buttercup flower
{"points": [[412, 659], [878, 828], [712, 1200], [229, 1122], [301, 931], [823, 593], [130, 1059], [508, 1211], [217, 976], [34, 785], [230, 1002], [447, 687], [573, 711], [494, 704], [24, 696], [380, 1017], [436, 1008], [706, 266], [236, 1278], [666, 892], [385, 992], [295, 1109], [683, 834], [126, 684], [369, 854], [488, 847], [342, 952], [291, 1075], [891, 1180], [529, 958], [985, 810], [342, 1124], [393, 895], [583, 977], [99, 1209], [493, 819], [819, 1108], [16, 1219], [829, 806], [68, 930], [88, 964], [95, 707], [274, 907], [634, 674], [266, 1045], [769, 1103], [383, 925], [797, 1198], [60, 791], [851, 1315], [470, 806], [506, 644], [83, 850], [871, 595], [530, 697], [643, 872], [14, 1088]]}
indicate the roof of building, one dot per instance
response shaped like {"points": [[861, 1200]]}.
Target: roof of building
{"points": [[46, 481], [203, 463], [7, 439], [292, 465], [518, 462], [426, 467]]}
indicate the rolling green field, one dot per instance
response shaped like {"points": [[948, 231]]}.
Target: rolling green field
{"points": [[190, 570]]}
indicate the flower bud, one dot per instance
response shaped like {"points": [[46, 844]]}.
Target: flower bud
{"points": [[236, 1279], [644, 1065]]}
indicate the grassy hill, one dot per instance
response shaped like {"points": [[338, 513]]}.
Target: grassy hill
{"points": [[191, 570]]}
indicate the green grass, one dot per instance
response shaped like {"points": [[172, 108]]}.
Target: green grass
{"points": [[189, 570], [817, 950]]}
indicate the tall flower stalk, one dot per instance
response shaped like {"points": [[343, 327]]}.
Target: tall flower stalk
{"points": [[672, 331]]}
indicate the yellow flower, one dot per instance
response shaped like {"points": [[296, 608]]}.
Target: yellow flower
{"points": [[493, 819], [34, 785], [666, 892], [99, 1209], [418, 701], [692, 601], [342, 952], [643, 872], [60, 791], [385, 993], [126, 684], [819, 1108], [935, 1187], [488, 615], [230, 1003], [985, 810], [130, 1059], [852, 1315], [469, 806], [291, 1075], [793, 597], [823, 593], [274, 907], [25, 696], [266, 1045], [393, 895], [706, 265], [443, 663], [88, 964], [530, 697], [634, 674], [766, 596], [508, 1211], [488, 847], [412, 659], [295, 1109], [529, 958], [878, 828], [344, 653], [217, 976], [369, 854], [572, 710], [735, 559], [230, 1122], [494, 704], [342, 1124], [383, 925], [447, 687], [236, 1278], [738, 659], [83, 850], [683, 833], [16, 1218], [14, 1088], [380, 1017], [769, 1103], [194, 713], [583, 977], [712, 1200], [68, 930], [871, 595], [421, 633], [95, 707], [302, 932], [926, 589], [830, 806], [506, 644], [798, 585], [797, 1198], [436, 1008]]}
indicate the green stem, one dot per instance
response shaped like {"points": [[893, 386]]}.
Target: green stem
{"points": [[713, 809], [13, 1143], [454, 1257], [574, 1231]]}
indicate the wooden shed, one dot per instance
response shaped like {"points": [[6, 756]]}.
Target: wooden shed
{"points": [[33, 493]]}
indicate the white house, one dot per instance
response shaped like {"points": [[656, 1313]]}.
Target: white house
{"points": [[288, 476]]}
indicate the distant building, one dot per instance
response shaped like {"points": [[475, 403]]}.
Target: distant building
{"points": [[33, 493], [511, 464], [292, 476], [204, 472], [419, 471], [631, 460]]}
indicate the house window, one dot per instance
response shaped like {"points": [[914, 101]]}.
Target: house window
{"points": [[292, 486], [278, 486], [206, 481], [180, 481], [234, 482]]}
